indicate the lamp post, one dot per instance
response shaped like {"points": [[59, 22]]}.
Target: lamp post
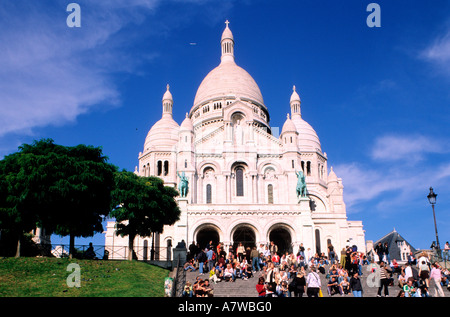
{"points": [[432, 199]]}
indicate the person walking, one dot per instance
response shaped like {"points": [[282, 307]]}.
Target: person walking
{"points": [[299, 284], [436, 276], [254, 254], [384, 280], [313, 283], [202, 259], [424, 269]]}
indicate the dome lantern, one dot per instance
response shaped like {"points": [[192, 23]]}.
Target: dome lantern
{"points": [[227, 44], [295, 103], [167, 102]]}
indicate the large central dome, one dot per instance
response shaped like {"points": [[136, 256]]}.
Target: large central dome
{"points": [[228, 79]]}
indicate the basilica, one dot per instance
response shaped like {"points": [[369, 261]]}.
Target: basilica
{"points": [[239, 182]]}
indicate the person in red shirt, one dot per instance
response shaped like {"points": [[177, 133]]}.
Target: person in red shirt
{"points": [[261, 287], [276, 259]]}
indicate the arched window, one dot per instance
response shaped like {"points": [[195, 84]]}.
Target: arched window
{"points": [[239, 181], [166, 168], [318, 249], [159, 167], [270, 193], [208, 194], [308, 168]]}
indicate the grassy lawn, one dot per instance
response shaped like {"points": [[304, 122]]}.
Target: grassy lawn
{"points": [[46, 277]]}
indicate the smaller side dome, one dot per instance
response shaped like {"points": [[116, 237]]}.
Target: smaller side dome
{"points": [[187, 124], [288, 126], [164, 133], [332, 176]]}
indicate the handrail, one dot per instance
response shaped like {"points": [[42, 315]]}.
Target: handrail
{"points": [[111, 252], [179, 279]]}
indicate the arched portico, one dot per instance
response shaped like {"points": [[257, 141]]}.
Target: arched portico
{"points": [[206, 233], [281, 234]]}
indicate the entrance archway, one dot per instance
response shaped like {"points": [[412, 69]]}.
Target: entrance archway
{"points": [[206, 235], [246, 235], [281, 237]]}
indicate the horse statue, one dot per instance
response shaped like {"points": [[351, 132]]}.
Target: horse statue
{"points": [[183, 186], [301, 184]]}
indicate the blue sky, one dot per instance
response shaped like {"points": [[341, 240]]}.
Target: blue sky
{"points": [[378, 97]]}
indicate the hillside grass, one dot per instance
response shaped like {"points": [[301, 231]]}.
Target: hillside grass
{"points": [[46, 277]]}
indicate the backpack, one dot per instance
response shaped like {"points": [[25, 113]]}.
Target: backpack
{"points": [[202, 257]]}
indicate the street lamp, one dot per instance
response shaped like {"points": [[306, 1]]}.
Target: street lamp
{"points": [[432, 199]]}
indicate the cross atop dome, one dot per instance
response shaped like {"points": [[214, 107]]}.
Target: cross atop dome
{"points": [[227, 22]]}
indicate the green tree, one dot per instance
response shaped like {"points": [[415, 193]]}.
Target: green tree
{"points": [[143, 205], [65, 190]]}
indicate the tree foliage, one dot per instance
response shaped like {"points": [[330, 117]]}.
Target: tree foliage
{"points": [[143, 205], [65, 190]]}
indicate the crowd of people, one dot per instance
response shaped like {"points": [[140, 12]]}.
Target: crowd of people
{"points": [[301, 274]]}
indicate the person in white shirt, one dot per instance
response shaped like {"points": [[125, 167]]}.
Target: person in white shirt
{"points": [[423, 257], [446, 251], [408, 271], [313, 283], [309, 255], [261, 249], [266, 252]]}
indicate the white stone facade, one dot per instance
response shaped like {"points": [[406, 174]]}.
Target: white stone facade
{"points": [[242, 176]]}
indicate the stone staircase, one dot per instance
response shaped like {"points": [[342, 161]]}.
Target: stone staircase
{"points": [[247, 288], [238, 288]]}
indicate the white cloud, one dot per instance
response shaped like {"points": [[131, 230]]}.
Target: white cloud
{"points": [[409, 149], [398, 173], [437, 53], [439, 50], [49, 73]]}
